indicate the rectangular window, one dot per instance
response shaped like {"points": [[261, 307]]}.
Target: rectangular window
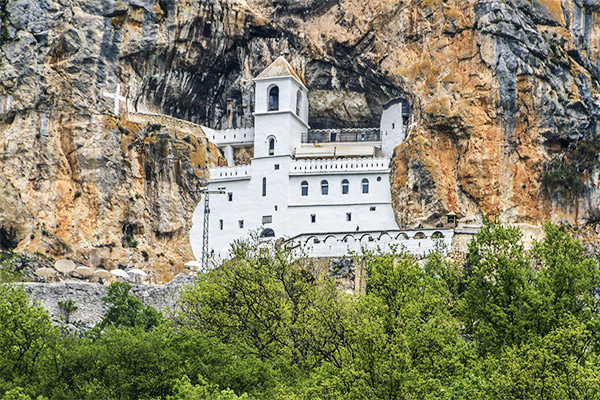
{"points": [[230, 196], [221, 224], [267, 219], [348, 216], [276, 167], [373, 208], [313, 218], [241, 222], [264, 187], [275, 208]]}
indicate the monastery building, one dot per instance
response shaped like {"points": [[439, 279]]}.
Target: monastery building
{"points": [[327, 189]]}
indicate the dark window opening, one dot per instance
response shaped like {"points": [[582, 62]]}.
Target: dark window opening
{"points": [[230, 196], [298, 102], [372, 208], [241, 222], [264, 187], [365, 185], [271, 146], [221, 224], [276, 167], [313, 218], [348, 216], [274, 99], [304, 188], [345, 186], [324, 188]]}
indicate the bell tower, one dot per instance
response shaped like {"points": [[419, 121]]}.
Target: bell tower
{"points": [[281, 110]]}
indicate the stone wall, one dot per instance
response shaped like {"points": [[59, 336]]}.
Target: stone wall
{"points": [[88, 298]]}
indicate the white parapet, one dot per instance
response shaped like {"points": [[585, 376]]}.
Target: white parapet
{"points": [[230, 137], [230, 173], [303, 167]]}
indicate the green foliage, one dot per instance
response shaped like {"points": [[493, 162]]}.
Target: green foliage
{"points": [[146, 255], [67, 307], [131, 242], [12, 267], [562, 176], [508, 324], [496, 302], [271, 301], [25, 330], [127, 311]]}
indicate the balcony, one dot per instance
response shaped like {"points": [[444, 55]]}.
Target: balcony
{"points": [[342, 135]]}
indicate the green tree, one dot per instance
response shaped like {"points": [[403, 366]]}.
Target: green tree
{"points": [[25, 330], [272, 301], [567, 283], [497, 304], [127, 311]]}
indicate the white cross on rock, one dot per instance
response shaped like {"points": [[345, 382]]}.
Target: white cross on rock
{"points": [[117, 96]]}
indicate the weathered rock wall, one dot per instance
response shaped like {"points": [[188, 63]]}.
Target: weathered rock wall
{"points": [[88, 298], [503, 93]]}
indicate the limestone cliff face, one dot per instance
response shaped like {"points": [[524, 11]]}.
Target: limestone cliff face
{"points": [[503, 98]]}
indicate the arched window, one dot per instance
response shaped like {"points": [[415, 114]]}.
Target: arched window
{"points": [[264, 187], [345, 186], [365, 185], [271, 146], [274, 98], [324, 188], [298, 102], [304, 188]]}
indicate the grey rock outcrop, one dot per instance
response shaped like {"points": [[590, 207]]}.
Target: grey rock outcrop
{"points": [[88, 299]]}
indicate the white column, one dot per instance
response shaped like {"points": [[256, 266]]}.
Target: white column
{"points": [[229, 156]]}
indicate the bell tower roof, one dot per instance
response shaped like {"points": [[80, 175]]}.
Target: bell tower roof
{"points": [[280, 68]]}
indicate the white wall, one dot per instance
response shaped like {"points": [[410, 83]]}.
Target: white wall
{"points": [[234, 137], [291, 212], [393, 131]]}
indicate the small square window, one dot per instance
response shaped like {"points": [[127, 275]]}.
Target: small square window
{"points": [[230, 196], [221, 224], [276, 167], [241, 222], [267, 219], [313, 218], [348, 216], [373, 208]]}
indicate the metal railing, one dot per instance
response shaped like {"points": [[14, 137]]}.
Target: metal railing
{"points": [[341, 135]]}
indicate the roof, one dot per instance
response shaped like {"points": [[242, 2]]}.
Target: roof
{"points": [[278, 68]]}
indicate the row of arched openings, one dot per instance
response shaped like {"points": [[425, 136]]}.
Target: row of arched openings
{"points": [[325, 187], [367, 237]]}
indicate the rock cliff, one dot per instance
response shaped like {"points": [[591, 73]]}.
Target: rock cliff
{"points": [[503, 97]]}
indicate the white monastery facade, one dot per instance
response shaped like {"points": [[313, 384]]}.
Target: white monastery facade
{"points": [[327, 189]]}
